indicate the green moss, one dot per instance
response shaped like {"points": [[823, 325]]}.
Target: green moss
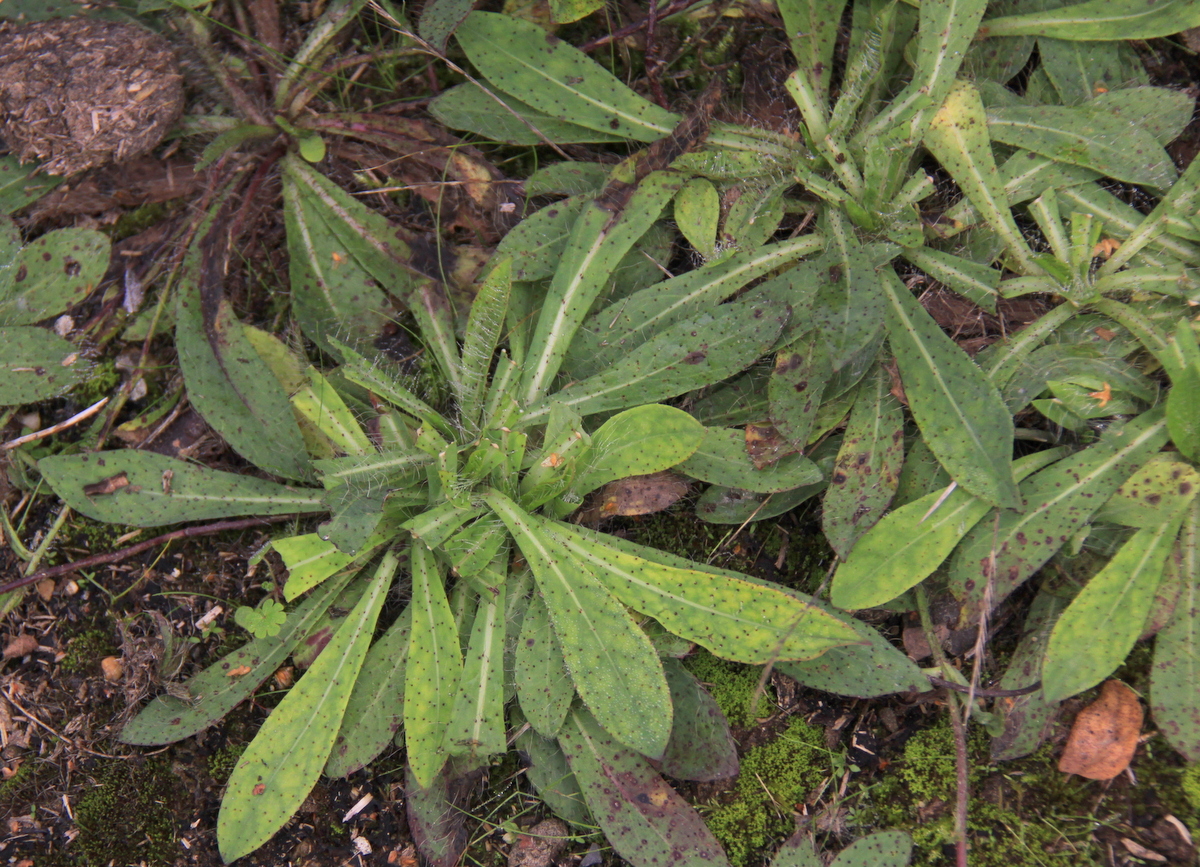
{"points": [[101, 381], [1011, 814], [222, 762], [774, 778], [733, 687], [12, 788], [1190, 783], [86, 650], [128, 819]]}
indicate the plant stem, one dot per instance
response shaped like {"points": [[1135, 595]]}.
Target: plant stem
{"points": [[958, 724]]}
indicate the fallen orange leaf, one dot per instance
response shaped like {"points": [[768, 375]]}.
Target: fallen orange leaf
{"points": [[1104, 395], [1105, 734]]}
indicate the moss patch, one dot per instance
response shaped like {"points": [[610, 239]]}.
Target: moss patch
{"points": [[85, 651], [732, 686], [774, 779], [128, 818]]}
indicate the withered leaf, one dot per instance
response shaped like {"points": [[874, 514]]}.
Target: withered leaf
{"points": [[1105, 734], [107, 486], [641, 495]]}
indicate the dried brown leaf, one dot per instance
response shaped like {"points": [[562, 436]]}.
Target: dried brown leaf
{"points": [[1105, 734]]}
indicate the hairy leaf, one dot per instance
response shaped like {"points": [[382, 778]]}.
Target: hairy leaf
{"points": [[216, 690], [614, 666], [960, 413], [1099, 628], [375, 713], [282, 763], [1098, 20], [643, 818], [556, 78], [1176, 670], [729, 614], [36, 365], [543, 684], [148, 490], [1059, 501]]}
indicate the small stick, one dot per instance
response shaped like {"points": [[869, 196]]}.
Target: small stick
{"points": [[117, 556], [61, 426]]}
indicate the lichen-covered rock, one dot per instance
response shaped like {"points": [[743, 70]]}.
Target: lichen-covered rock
{"points": [[77, 93]]}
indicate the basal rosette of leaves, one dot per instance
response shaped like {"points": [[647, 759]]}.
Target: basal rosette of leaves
{"points": [[555, 382], [515, 615], [1112, 365]]}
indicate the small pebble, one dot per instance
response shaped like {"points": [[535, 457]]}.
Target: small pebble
{"points": [[112, 668]]}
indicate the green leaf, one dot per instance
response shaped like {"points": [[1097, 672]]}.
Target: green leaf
{"points": [[643, 818], [722, 460], [551, 776], [343, 257], [697, 211], [958, 137], [614, 666], [946, 30], [997, 557], [812, 28], [623, 326], [536, 244], [310, 560], [227, 382], [476, 726], [731, 615], [1176, 670], [282, 763], [1027, 717], [724, 505], [1082, 71], [36, 365], [682, 357], [375, 713], [869, 669], [556, 78], [598, 241], [848, 309], [485, 323], [1183, 400], [867, 469], [639, 441], [149, 490], [881, 849], [977, 283], [701, 747], [1099, 628], [1086, 136], [505, 118], [215, 691], [568, 179], [543, 684], [795, 389], [261, 622], [56, 271], [320, 404], [797, 851], [439, 18], [1155, 493], [909, 543], [1099, 20], [566, 11], [959, 411], [433, 670], [21, 185]]}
